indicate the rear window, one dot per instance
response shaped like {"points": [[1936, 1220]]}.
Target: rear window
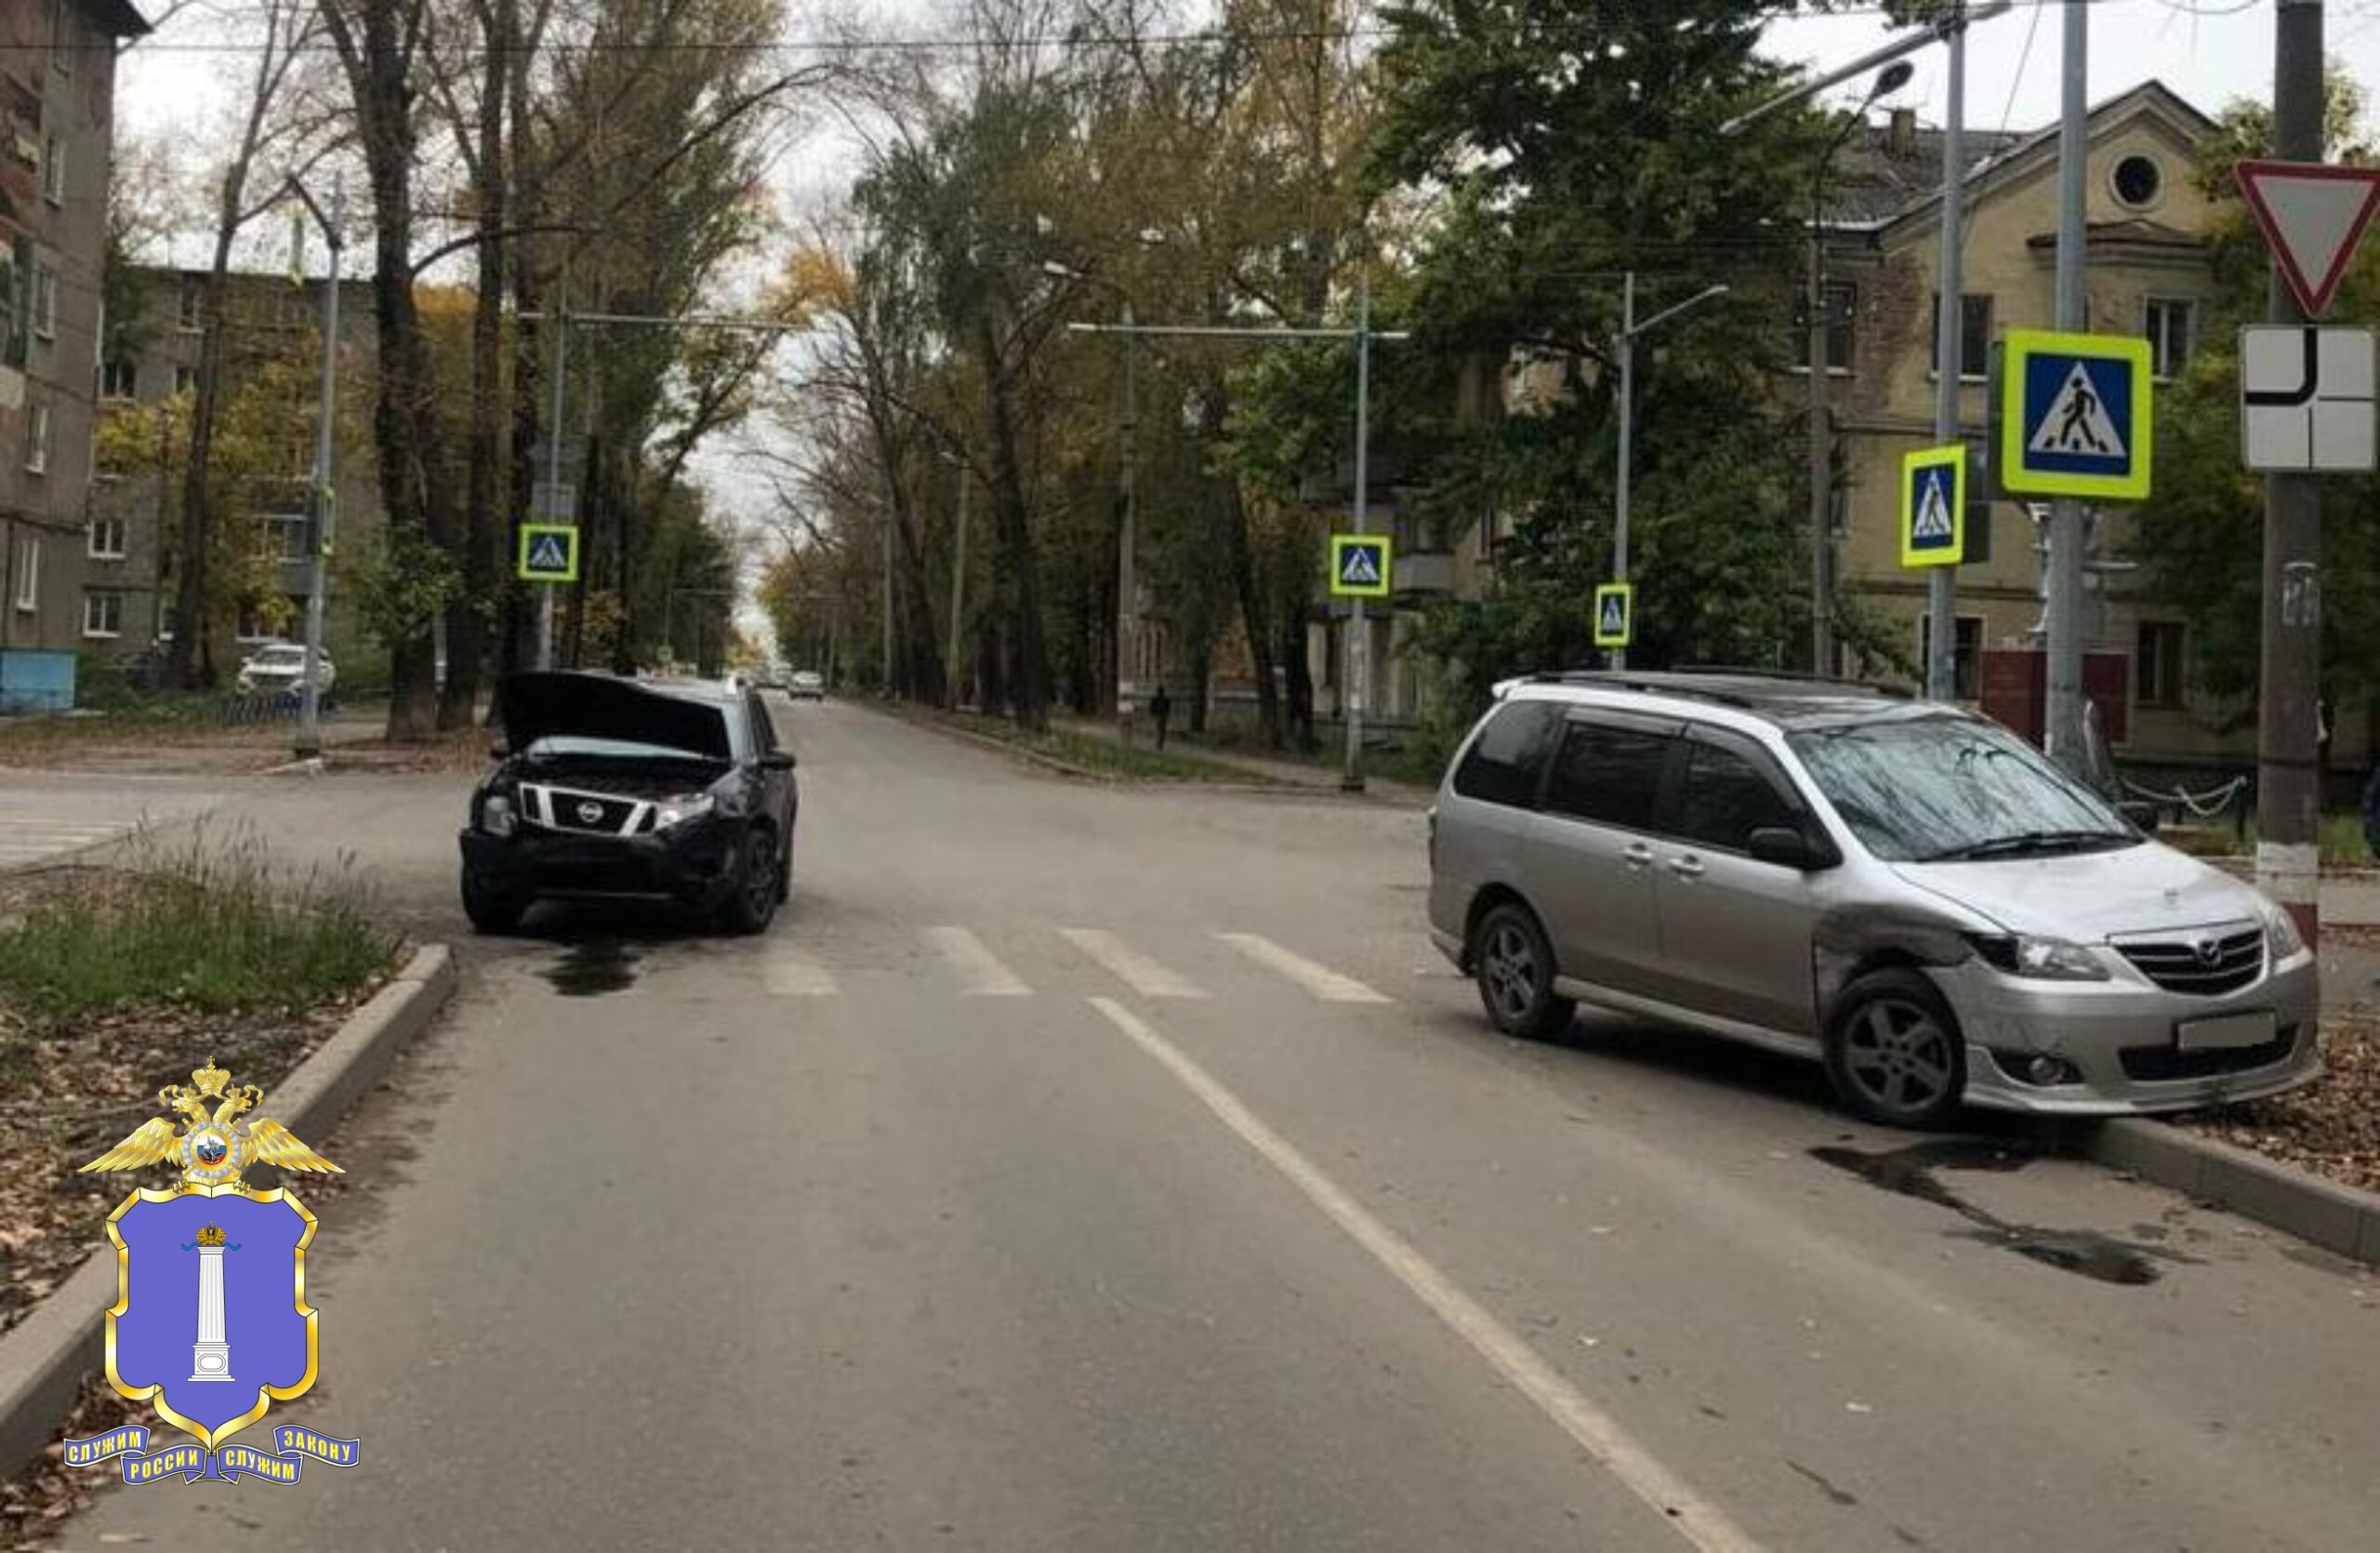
{"points": [[1502, 763]]}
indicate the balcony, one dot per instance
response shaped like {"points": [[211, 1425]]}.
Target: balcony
{"points": [[1423, 573]]}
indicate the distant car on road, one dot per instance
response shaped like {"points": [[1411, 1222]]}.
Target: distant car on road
{"points": [[1909, 892], [609, 788], [807, 684], [281, 666]]}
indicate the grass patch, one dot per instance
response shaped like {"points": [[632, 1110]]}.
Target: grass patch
{"points": [[210, 926], [2341, 840], [1104, 756]]}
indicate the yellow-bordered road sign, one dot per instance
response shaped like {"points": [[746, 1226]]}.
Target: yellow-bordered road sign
{"points": [[1933, 506], [1615, 614], [548, 552], [1360, 565], [2074, 415]]}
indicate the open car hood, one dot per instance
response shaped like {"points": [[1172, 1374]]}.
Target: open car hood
{"points": [[531, 706]]}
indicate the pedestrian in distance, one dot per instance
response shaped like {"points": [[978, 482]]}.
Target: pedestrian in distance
{"points": [[1160, 707]]}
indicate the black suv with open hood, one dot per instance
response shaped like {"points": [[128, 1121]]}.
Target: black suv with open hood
{"points": [[632, 789]]}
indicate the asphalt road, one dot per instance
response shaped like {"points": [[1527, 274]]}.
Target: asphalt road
{"points": [[1082, 1168]]}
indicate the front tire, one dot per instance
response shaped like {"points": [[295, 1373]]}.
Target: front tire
{"points": [[1513, 965], [1894, 1051], [491, 910], [752, 903]]}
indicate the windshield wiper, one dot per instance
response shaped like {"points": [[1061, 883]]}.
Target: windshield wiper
{"points": [[2031, 841]]}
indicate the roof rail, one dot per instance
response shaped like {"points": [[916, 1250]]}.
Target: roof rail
{"points": [[1796, 676], [1665, 682]]}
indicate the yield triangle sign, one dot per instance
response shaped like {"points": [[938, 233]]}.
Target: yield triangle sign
{"points": [[2313, 215], [2078, 421]]}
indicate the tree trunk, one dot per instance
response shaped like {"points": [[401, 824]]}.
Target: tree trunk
{"points": [[1028, 663], [190, 660], [1201, 667], [468, 617], [1300, 673]]}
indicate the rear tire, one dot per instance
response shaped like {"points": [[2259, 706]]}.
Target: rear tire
{"points": [[1513, 965], [1894, 1051], [752, 903], [491, 911]]}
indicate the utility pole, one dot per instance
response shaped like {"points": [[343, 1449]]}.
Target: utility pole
{"points": [[325, 502], [1821, 450], [1627, 427], [2062, 711], [1351, 778], [1942, 595], [2289, 778], [1128, 578], [957, 588], [554, 463]]}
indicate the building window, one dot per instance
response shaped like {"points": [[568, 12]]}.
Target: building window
{"points": [[191, 313], [2172, 329], [1967, 655], [107, 540], [53, 169], [2137, 181], [185, 379], [45, 302], [2157, 663], [28, 573], [284, 537], [1974, 338], [119, 378], [37, 440], [102, 613]]}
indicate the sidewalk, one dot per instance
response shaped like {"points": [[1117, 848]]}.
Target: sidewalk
{"points": [[1287, 772]]}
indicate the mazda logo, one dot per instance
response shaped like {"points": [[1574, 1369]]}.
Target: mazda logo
{"points": [[2209, 951], [591, 813]]}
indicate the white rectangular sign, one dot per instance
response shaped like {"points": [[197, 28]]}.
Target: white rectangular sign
{"points": [[2307, 398]]}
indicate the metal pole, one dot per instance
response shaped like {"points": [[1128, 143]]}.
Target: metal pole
{"points": [[1358, 654], [958, 593], [1942, 633], [309, 714], [1822, 459], [553, 462], [1127, 577], [1627, 416], [2062, 718], [2289, 776], [888, 601]]}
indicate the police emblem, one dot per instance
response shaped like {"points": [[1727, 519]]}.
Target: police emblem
{"points": [[210, 1323]]}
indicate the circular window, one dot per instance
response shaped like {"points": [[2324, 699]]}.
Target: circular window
{"points": [[2137, 181]]}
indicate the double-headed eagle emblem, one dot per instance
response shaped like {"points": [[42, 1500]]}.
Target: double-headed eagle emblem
{"points": [[210, 1148]]}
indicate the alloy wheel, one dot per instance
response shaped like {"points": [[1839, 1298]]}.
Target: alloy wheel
{"points": [[1899, 1056]]}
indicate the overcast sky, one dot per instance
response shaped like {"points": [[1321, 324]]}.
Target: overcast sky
{"points": [[2210, 51]]}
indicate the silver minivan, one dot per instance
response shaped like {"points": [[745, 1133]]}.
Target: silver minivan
{"points": [[1907, 892]]}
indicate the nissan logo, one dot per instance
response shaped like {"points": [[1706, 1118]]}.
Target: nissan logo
{"points": [[592, 812], [2209, 951]]}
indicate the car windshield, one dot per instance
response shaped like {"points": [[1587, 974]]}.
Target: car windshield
{"points": [[278, 657], [1945, 789]]}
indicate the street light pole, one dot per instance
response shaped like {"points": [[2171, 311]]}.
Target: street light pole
{"points": [[1624, 347], [1949, 306], [325, 506], [957, 587], [1127, 610], [1350, 778], [554, 463]]}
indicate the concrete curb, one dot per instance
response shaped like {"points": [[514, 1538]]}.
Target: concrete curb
{"points": [[2338, 1219], [45, 1357], [1083, 772]]}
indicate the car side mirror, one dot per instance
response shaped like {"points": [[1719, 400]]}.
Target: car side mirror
{"points": [[777, 760], [497, 749], [1785, 847]]}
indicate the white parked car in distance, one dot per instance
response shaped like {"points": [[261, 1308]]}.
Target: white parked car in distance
{"points": [[281, 666]]}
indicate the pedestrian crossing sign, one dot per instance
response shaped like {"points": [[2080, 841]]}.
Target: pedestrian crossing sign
{"points": [[548, 552], [1360, 565], [1615, 614], [1933, 506], [2074, 415]]}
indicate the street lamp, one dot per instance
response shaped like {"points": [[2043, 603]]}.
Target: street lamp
{"points": [[1892, 78], [309, 709], [1127, 612], [1624, 345]]}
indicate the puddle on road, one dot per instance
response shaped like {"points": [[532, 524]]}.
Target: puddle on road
{"points": [[1912, 1172], [592, 967]]}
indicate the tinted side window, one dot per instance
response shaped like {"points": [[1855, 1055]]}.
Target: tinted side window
{"points": [[764, 732], [1726, 797], [1504, 761], [1608, 774]]}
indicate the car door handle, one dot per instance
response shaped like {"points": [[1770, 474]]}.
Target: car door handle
{"points": [[1637, 856], [1687, 866]]}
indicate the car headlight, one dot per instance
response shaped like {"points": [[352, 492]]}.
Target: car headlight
{"points": [[2281, 937], [497, 816], [679, 807], [2040, 959]]}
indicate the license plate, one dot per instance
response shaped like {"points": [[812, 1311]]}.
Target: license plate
{"points": [[2232, 1030]]}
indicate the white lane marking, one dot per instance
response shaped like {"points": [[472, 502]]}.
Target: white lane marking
{"points": [[1320, 980], [1128, 965], [1697, 1519], [977, 966], [790, 973]]}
